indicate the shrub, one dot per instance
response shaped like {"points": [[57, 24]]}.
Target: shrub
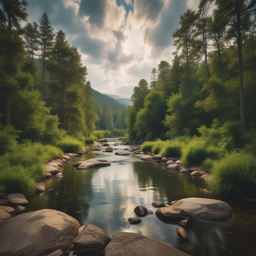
{"points": [[234, 175], [197, 151], [147, 146], [8, 136], [89, 140], [102, 134], [172, 149], [70, 144], [158, 145], [207, 165]]}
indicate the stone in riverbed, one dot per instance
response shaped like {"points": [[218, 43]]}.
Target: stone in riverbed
{"points": [[51, 169], [149, 212], [170, 162], [158, 204], [183, 170], [103, 140], [56, 253], [40, 187], [8, 209], [109, 149], [130, 244], [195, 173], [40, 232], [173, 167], [178, 162], [185, 223], [134, 220], [123, 153], [81, 229], [164, 159], [17, 198], [93, 163], [19, 208], [146, 158], [195, 208], [141, 211], [92, 241], [105, 145], [206, 177], [157, 157], [182, 233], [48, 175], [4, 216]]}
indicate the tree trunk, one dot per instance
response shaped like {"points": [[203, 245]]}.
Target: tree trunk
{"points": [[220, 60]]}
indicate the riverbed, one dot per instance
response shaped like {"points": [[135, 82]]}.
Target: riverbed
{"points": [[106, 197]]}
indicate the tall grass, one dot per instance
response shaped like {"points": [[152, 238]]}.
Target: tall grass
{"points": [[158, 145], [102, 134], [172, 149], [234, 175], [147, 146], [24, 166], [70, 144], [197, 151], [207, 165]]}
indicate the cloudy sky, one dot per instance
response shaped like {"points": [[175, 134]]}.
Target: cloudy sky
{"points": [[120, 41]]}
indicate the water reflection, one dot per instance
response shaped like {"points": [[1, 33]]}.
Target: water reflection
{"points": [[106, 197]]}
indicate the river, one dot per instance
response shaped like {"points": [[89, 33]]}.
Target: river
{"points": [[106, 197]]}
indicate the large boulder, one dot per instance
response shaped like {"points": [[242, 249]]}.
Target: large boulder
{"points": [[93, 163], [195, 208], [37, 233], [91, 241], [130, 244], [17, 199], [173, 166], [109, 149], [103, 140], [141, 211], [4, 215], [40, 187], [51, 169], [157, 157], [8, 209]]}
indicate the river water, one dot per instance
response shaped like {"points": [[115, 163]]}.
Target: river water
{"points": [[106, 197]]}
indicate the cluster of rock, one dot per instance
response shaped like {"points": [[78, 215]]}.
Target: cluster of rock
{"points": [[91, 163], [11, 204], [53, 233]]}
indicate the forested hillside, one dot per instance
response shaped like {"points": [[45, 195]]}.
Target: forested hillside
{"points": [[124, 101], [111, 114]]}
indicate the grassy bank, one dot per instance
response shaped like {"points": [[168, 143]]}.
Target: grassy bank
{"points": [[224, 152]]}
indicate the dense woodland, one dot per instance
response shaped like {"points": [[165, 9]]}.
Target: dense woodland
{"points": [[211, 77]]}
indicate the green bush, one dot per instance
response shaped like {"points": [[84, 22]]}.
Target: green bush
{"points": [[102, 134], [70, 144], [197, 151], [234, 175], [207, 165], [172, 149], [158, 145], [8, 136], [89, 140], [147, 146]]}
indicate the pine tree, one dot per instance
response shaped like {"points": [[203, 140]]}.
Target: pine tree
{"points": [[46, 42]]}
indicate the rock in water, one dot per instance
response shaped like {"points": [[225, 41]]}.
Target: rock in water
{"points": [[122, 153], [157, 157], [8, 209], [93, 163], [182, 233], [158, 204], [146, 158], [173, 166], [17, 198], [40, 187], [141, 211], [4, 215], [109, 149], [195, 208], [91, 241], [37, 233], [134, 220], [170, 162], [183, 170], [195, 173], [130, 244]]}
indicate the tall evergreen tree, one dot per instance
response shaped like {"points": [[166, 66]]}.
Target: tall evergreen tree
{"points": [[46, 42]]}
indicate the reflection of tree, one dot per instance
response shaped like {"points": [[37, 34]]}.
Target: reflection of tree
{"points": [[70, 194], [175, 186]]}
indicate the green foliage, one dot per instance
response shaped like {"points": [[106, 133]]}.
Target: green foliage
{"points": [[70, 145], [158, 145], [8, 137], [102, 134], [147, 146], [207, 165], [172, 149], [197, 151], [234, 175], [89, 140]]}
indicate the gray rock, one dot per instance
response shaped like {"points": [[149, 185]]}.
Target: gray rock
{"points": [[93, 163], [206, 177], [183, 170], [182, 233], [170, 162], [51, 169], [40, 187], [81, 228], [195, 208], [8, 209], [134, 220], [4, 216], [130, 244], [158, 204], [105, 145], [17, 198], [19, 208], [103, 140], [146, 158], [195, 173], [123, 153], [157, 157], [141, 210], [91, 241], [178, 162], [56, 253], [164, 159], [173, 202], [39, 233], [109, 149], [173, 167], [149, 212]]}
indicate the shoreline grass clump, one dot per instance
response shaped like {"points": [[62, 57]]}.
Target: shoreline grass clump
{"points": [[70, 144], [147, 146], [234, 175], [172, 149], [207, 165], [158, 145]]}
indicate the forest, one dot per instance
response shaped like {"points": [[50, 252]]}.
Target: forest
{"points": [[202, 106]]}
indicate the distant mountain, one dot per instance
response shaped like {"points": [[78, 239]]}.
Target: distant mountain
{"points": [[124, 101]]}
